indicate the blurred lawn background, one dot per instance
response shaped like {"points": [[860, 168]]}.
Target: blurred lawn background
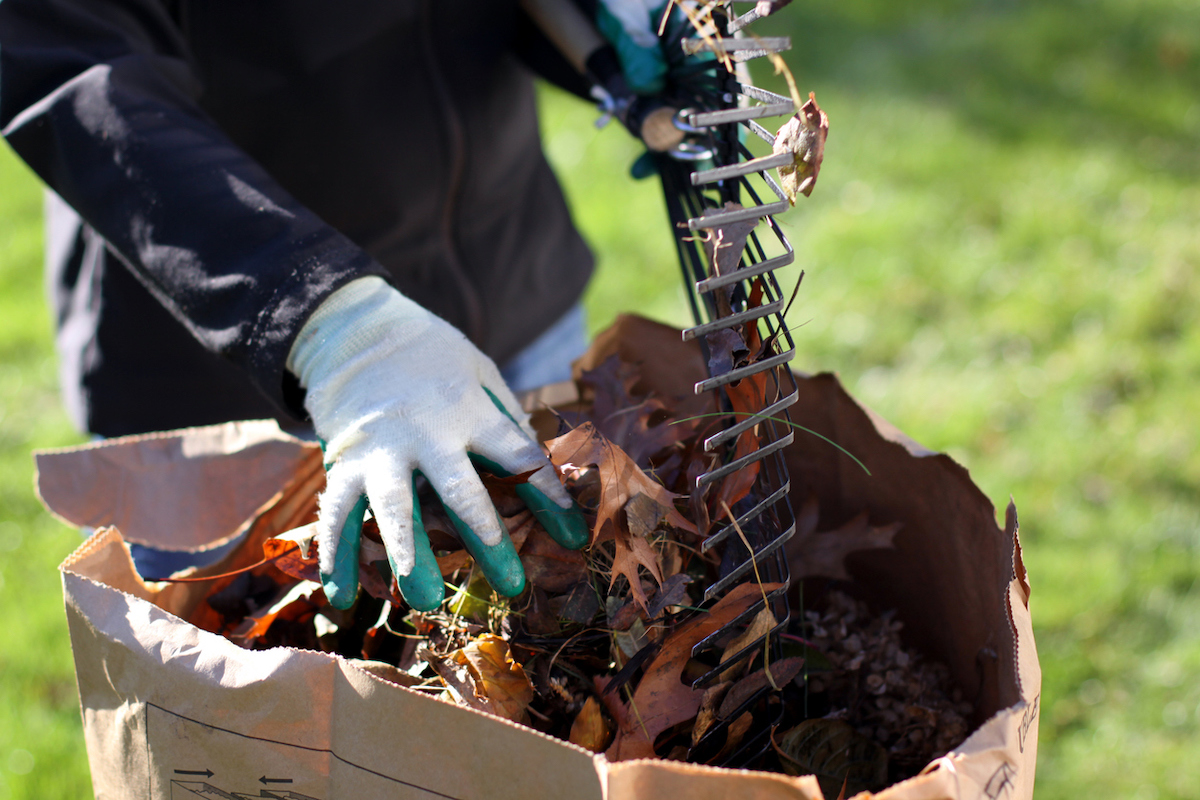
{"points": [[1002, 257]]}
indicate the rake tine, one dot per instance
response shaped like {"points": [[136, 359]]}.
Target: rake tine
{"points": [[738, 49], [705, 119], [744, 168]]}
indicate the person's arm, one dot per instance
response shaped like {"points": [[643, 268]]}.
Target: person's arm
{"points": [[98, 97]]}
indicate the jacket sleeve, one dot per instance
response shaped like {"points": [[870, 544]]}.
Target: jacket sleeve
{"points": [[98, 97]]}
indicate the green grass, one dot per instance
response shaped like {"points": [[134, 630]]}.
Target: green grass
{"points": [[1002, 257], [41, 739]]}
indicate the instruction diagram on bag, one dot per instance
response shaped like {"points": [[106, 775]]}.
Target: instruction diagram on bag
{"points": [[185, 790], [194, 759]]}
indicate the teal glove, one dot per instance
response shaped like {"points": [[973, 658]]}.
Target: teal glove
{"points": [[634, 76], [631, 27], [423, 587], [397, 392]]}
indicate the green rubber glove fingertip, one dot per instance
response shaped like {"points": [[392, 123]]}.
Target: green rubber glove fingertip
{"points": [[500, 563], [423, 588], [565, 525], [341, 585]]}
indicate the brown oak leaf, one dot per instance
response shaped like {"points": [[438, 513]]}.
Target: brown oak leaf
{"points": [[640, 425], [621, 480]]}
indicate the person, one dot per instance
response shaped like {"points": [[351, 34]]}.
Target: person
{"points": [[337, 215]]}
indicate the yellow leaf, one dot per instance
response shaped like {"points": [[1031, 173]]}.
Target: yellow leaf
{"points": [[497, 676], [590, 730]]}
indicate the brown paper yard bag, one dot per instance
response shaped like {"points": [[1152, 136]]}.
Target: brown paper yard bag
{"points": [[172, 711]]}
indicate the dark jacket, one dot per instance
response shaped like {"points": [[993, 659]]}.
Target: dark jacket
{"points": [[223, 165]]}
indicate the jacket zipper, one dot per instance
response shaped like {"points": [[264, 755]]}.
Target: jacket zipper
{"points": [[472, 304]]}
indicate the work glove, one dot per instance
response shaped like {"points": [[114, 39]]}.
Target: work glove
{"points": [[395, 392], [631, 27]]}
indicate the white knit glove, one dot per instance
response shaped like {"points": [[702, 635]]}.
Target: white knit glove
{"points": [[393, 389]]}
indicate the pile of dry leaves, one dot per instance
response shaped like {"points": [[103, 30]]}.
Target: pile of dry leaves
{"points": [[598, 650]]}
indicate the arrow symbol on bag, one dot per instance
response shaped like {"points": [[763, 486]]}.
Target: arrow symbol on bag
{"points": [[208, 773], [265, 780]]}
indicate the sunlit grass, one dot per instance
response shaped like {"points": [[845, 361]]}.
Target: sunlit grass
{"points": [[41, 738]]}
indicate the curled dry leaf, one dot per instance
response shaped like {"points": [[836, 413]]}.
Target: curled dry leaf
{"points": [[579, 604], [640, 425], [620, 477], [764, 621], [294, 553], [706, 717], [727, 350], [457, 679], [738, 484], [290, 549], [452, 562], [746, 397], [672, 592], [629, 552], [734, 736], [297, 602], [723, 245], [782, 673], [497, 677], [550, 566], [591, 729], [804, 137]]}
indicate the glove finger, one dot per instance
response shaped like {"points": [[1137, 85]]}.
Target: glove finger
{"points": [[461, 491], [422, 588], [545, 479], [389, 485], [560, 516], [499, 562], [566, 526], [341, 582], [511, 452], [339, 526], [503, 399]]}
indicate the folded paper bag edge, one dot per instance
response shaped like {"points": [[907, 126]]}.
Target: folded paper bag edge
{"points": [[145, 482]]}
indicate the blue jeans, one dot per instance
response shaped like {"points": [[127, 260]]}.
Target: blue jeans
{"points": [[547, 359]]}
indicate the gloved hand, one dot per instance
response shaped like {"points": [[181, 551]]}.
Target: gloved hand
{"points": [[631, 27], [393, 391]]}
